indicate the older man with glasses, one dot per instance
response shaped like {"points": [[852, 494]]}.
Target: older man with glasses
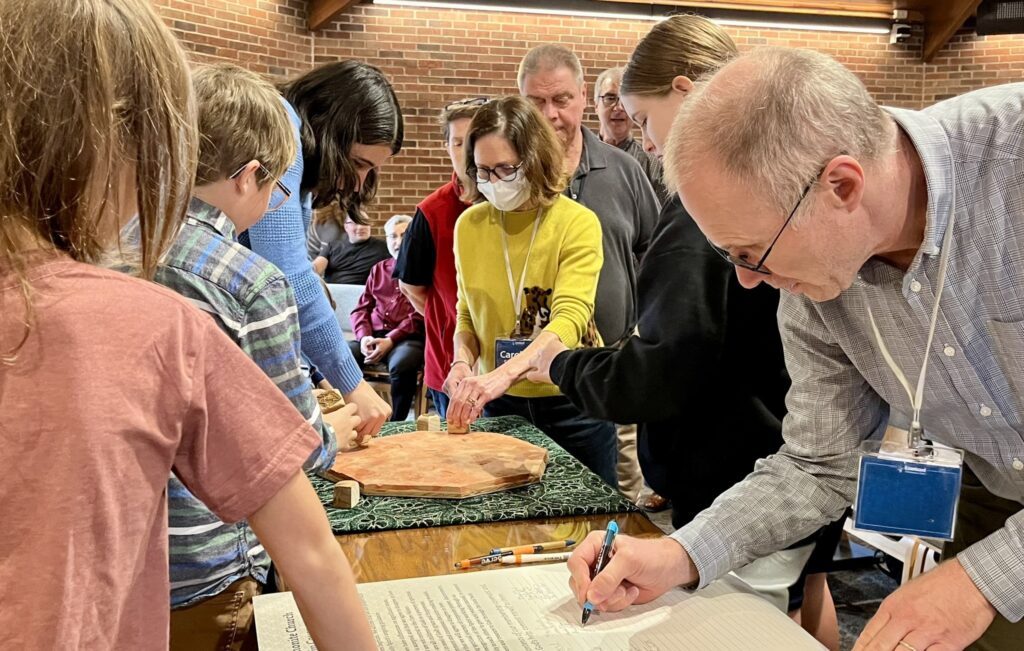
{"points": [[617, 128], [901, 260]]}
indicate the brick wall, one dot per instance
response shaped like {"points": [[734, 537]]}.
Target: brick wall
{"points": [[435, 56], [969, 62]]}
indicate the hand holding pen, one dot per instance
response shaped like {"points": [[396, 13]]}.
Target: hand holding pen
{"points": [[640, 570], [603, 557]]}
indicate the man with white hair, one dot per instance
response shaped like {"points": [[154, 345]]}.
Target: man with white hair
{"points": [[896, 237], [388, 329], [617, 128]]}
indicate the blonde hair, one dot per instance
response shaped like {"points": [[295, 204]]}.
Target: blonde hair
{"points": [[93, 90], [549, 57], [683, 45], [531, 135], [241, 118], [772, 118]]}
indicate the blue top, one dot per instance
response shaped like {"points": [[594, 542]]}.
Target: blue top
{"points": [[280, 237]]}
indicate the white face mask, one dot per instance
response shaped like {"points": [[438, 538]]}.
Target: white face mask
{"points": [[506, 195]]}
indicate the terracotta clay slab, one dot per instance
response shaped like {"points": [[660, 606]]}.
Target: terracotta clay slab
{"points": [[438, 464]]}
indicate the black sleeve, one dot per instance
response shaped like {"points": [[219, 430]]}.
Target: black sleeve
{"points": [[657, 374], [417, 257]]}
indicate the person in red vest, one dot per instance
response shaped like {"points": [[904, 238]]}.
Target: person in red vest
{"points": [[426, 264]]}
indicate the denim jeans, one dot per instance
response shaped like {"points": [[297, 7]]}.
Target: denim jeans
{"points": [[591, 441], [440, 400]]}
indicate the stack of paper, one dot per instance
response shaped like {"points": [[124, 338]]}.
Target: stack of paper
{"points": [[532, 609]]}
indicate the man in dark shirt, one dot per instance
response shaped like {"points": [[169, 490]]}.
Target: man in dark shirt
{"points": [[348, 260], [617, 129]]}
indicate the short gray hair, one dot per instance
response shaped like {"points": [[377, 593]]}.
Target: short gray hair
{"points": [[615, 74], [549, 57], [397, 220], [771, 118]]}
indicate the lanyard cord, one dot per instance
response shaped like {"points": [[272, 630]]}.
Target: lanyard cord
{"points": [[917, 397], [517, 295]]}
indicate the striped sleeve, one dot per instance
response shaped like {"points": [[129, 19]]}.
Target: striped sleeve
{"points": [[269, 334]]}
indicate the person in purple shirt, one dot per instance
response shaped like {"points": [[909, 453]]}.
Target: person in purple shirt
{"points": [[387, 327]]}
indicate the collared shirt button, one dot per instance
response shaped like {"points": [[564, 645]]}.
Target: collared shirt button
{"points": [[949, 351], [915, 286], [1018, 464], [985, 411]]}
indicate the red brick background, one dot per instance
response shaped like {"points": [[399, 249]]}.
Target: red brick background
{"points": [[435, 56]]}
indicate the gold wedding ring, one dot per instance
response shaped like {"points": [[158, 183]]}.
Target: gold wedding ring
{"points": [[907, 646]]}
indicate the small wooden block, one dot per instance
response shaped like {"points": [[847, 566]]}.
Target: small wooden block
{"points": [[455, 429], [428, 423], [346, 494], [329, 400]]}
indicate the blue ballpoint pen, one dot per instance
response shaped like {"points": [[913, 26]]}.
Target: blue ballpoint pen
{"points": [[602, 559]]}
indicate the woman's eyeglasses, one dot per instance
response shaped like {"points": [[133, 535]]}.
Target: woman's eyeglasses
{"points": [[499, 173]]}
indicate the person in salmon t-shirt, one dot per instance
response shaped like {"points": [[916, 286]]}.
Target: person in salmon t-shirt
{"points": [[99, 126]]}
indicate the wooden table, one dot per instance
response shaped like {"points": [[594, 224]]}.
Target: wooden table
{"points": [[433, 551]]}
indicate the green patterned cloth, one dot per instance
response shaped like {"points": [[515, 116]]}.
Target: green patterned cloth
{"points": [[568, 488]]}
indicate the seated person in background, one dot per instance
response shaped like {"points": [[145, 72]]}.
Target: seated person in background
{"points": [[526, 232], [387, 327], [327, 225], [348, 260], [217, 568]]}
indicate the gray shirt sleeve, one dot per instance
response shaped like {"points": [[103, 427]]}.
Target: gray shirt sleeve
{"points": [[812, 478]]}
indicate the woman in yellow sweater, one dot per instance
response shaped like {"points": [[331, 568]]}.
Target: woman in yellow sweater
{"points": [[527, 260]]}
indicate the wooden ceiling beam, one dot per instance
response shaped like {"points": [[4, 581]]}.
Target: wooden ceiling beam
{"points": [[321, 12], [941, 21]]}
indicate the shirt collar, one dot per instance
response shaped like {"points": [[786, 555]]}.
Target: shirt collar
{"points": [[203, 213], [932, 146], [594, 156]]}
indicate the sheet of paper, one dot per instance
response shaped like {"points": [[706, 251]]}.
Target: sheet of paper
{"points": [[279, 627], [531, 609]]}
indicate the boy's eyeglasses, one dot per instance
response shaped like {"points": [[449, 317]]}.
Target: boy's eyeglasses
{"points": [[278, 197]]}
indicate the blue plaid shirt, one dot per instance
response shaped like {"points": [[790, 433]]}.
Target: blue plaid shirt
{"points": [[251, 301], [843, 390]]}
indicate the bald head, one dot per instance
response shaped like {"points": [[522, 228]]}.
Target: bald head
{"points": [[771, 118]]}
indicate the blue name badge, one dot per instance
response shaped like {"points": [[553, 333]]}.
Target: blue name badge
{"points": [[902, 492], [506, 349]]}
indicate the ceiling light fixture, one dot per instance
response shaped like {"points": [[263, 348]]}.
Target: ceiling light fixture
{"points": [[728, 22]]}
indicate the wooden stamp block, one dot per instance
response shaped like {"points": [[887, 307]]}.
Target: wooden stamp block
{"points": [[455, 429], [346, 494], [428, 423]]}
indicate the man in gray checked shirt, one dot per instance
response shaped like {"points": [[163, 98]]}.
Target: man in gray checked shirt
{"points": [[871, 193]]}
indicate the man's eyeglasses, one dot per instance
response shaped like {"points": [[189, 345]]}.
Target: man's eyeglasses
{"points": [[500, 173], [278, 197], [610, 99], [469, 101], [759, 267]]}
